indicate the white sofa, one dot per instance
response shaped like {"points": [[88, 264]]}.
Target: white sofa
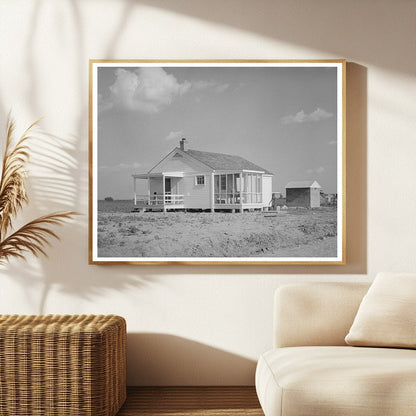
{"points": [[311, 371]]}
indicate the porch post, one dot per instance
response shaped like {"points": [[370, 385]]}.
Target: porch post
{"points": [[135, 195], [163, 193], [212, 192], [241, 192]]}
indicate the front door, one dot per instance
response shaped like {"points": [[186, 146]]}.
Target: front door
{"points": [[168, 185], [168, 189]]}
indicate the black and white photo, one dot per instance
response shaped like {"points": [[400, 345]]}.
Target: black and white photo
{"points": [[217, 162]]}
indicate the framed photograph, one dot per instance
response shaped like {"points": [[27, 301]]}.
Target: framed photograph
{"points": [[217, 162]]}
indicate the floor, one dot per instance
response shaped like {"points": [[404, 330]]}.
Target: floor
{"points": [[187, 401]]}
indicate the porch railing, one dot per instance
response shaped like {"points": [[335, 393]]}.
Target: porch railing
{"points": [[158, 199], [227, 198], [238, 198]]}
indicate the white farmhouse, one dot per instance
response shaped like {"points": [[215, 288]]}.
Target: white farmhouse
{"points": [[196, 180]]}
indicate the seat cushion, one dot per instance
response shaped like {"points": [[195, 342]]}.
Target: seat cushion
{"points": [[341, 381]]}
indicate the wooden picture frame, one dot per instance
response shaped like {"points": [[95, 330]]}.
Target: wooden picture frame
{"points": [[217, 162]]}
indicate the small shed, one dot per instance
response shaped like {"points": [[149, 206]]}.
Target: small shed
{"points": [[303, 194]]}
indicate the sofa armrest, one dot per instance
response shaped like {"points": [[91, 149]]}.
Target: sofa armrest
{"points": [[309, 314]]}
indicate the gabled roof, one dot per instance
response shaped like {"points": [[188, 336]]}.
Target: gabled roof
{"points": [[303, 184], [221, 161]]}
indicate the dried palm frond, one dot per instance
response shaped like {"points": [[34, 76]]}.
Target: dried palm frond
{"points": [[12, 183], [32, 237]]}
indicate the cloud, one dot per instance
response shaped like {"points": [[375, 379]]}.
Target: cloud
{"points": [[174, 135], [209, 85], [147, 90], [103, 104], [120, 167], [150, 90], [301, 117], [319, 170], [203, 85]]}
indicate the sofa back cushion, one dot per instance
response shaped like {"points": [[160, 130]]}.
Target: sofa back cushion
{"points": [[387, 314], [309, 314]]}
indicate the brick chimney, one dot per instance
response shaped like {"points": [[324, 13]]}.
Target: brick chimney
{"points": [[182, 144]]}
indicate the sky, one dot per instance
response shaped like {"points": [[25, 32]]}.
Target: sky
{"points": [[283, 119]]}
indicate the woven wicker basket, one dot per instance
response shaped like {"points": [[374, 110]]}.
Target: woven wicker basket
{"points": [[72, 365]]}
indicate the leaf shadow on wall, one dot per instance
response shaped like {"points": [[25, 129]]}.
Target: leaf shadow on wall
{"points": [[164, 359], [336, 27], [64, 182], [58, 180], [54, 187]]}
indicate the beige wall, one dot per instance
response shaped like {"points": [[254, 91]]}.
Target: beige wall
{"points": [[205, 325]]}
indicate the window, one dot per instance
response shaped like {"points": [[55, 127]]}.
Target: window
{"points": [[200, 180]]}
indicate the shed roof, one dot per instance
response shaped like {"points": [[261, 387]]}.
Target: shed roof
{"points": [[303, 184], [221, 161]]}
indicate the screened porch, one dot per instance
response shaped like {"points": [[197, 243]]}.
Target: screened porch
{"points": [[238, 188]]}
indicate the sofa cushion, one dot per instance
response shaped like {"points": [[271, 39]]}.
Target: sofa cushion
{"points": [[315, 314], [387, 314], [342, 381]]}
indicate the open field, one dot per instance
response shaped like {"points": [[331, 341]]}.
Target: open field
{"points": [[293, 233]]}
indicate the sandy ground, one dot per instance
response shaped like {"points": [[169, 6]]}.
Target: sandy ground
{"points": [[296, 233]]}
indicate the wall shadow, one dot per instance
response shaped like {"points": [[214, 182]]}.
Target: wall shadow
{"points": [[58, 180], [169, 360], [53, 186], [340, 28], [65, 183]]}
